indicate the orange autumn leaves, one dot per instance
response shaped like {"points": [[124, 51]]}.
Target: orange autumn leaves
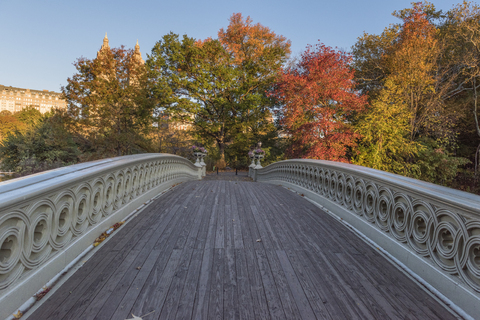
{"points": [[247, 41], [319, 102], [321, 107]]}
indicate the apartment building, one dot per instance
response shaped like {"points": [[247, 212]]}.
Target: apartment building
{"points": [[15, 99]]}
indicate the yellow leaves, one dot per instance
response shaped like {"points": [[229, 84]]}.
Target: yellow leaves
{"points": [[107, 233], [246, 41], [42, 294], [18, 315]]}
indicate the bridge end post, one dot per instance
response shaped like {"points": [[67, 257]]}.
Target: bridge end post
{"points": [[203, 164], [199, 170]]}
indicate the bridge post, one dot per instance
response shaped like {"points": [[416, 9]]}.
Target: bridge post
{"points": [[200, 170], [204, 165]]}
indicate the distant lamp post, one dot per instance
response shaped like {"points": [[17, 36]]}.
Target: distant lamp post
{"points": [[200, 153], [259, 154]]}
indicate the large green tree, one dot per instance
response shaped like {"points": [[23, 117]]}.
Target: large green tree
{"points": [[219, 85], [109, 102]]}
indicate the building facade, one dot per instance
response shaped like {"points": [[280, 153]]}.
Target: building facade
{"points": [[15, 99]]}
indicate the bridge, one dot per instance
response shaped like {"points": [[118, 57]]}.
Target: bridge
{"points": [[299, 239]]}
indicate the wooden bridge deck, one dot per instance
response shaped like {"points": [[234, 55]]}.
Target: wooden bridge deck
{"points": [[216, 249]]}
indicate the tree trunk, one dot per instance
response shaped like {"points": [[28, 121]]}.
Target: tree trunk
{"points": [[475, 116], [221, 164]]}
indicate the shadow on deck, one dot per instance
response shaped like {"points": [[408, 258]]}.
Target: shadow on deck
{"points": [[220, 249]]}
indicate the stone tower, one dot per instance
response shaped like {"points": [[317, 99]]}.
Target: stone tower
{"points": [[137, 56], [105, 46]]}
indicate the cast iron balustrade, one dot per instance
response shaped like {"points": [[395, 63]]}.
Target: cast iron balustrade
{"points": [[48, 219], [433, 230]]}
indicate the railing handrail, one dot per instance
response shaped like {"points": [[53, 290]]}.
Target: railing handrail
{"points": [[11, 191], [461, 199], [431, 229], [48, 219]]}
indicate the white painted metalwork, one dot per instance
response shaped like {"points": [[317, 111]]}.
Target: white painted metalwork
{"points": [[433, 230], [47, 219]]}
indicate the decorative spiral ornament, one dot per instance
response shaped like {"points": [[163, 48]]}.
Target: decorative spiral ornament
{"points": [[400, 217], [358, 196], [109, 196], [96, 201], [369, 201], [13, 228], [383, 208], [422, 224], [349, 192], [448, 236], [467, 260], [340, 189]]}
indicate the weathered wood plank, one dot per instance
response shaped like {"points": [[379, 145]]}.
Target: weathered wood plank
{"points": [[198, 257], [170, 306], [271, 292], [304, 309], [200, 308], [245, 303], [119, 288], [100, 290], [237, 224], [260, 306], [325, 297], [152, 295], [117, 249], [189, 293], [215, 305], [230, 295], [139, 282]]}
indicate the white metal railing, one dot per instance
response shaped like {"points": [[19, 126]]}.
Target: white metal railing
{"points": [[433, 230], [47, 219]]}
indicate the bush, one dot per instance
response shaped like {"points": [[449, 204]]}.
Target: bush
{"points": [[436, 164], [47, 145]]}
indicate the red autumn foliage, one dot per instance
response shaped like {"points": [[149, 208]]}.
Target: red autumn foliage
{"points": [[318, 100]]}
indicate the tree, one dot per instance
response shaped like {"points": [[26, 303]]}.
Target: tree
{"points": [[461, 33], [9, 124], [44, 146], [29, 116], [413, 67], [370, 60], [219, 85], [319, 102], [408, 126], [385, 144], [20, 121], [109, 102]]}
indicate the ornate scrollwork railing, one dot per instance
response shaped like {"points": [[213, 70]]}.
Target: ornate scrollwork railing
{"points": [[440, 224], [43, 214]]}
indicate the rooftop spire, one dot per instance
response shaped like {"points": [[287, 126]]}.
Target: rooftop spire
{"points": [[137, 55], [105, 41], [105, 46]]}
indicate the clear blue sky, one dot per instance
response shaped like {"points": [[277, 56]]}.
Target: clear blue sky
{"points": [[40, 39]]}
